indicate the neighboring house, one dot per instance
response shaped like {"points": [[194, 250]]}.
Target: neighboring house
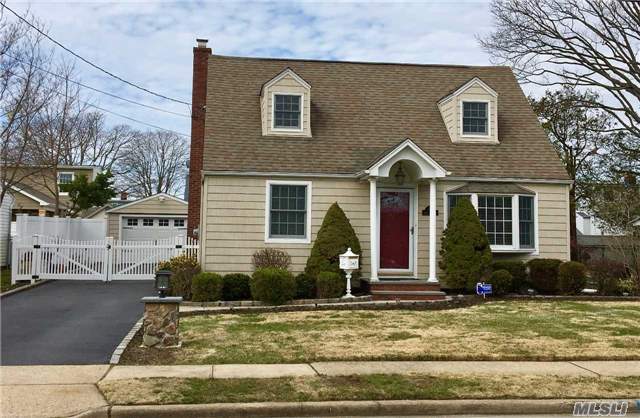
{"points": [[5, 228], [156, 217], [35, 194], [275, 142], [589, 224]]}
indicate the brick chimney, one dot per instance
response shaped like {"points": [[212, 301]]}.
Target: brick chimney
{"points": [[124, 195], [198, 109]]}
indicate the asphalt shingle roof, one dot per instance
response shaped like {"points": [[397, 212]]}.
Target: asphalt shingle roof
{"points": [[358, 111]]}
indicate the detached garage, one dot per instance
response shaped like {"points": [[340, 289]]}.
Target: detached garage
{"points": [[156, 217]]}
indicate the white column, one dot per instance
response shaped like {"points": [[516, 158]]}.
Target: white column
{"points": [[373, 223], [432, 231]]}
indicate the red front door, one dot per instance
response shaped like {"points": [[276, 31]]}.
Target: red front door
{"points": [[394, 230]]}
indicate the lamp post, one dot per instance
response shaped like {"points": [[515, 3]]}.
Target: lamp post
{"points": [[163, 282], [349, 262]]}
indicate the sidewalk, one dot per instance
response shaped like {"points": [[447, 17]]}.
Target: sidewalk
{"points": [[69, 390]]}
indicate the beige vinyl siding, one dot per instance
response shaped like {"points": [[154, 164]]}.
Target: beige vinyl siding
{"points": [[113, 225], [234, 208], [286, 85], [155, 206]]}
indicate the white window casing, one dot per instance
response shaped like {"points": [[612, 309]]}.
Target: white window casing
{"points": [[267, 213], [273, 112], [486, 136]]}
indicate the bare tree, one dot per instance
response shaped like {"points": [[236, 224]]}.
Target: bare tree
{"points": [[592, 43], [154, 162], [23, 93]]}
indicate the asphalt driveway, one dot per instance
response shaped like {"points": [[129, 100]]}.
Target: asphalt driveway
{"points": [[69, 322]]}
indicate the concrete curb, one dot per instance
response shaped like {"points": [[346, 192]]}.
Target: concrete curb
{"points": [[117, 353], [23, 288], [356, 408]]}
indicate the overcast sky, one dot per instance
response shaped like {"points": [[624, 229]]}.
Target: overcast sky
{"points": [[150, 42]]}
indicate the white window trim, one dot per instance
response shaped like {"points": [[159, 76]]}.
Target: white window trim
{"points": [[73, 177], [273, 112], [267, 212], [486, 136], [515, 214]]}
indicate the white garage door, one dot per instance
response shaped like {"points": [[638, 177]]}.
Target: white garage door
{"points": [[152, 228]]}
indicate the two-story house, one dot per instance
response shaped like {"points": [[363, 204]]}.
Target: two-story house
{"points": [[40, 189], [276, 141]]}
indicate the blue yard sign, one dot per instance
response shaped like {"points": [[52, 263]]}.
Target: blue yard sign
{"points": [[484, 289]]}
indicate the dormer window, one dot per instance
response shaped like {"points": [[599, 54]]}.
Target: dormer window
{"points": [[475, 118], [287, 111]]}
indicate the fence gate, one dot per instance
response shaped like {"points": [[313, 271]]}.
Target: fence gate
{"points": [[53, 258]]}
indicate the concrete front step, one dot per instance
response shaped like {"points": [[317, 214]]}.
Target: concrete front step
{"points": [[407, 295]]}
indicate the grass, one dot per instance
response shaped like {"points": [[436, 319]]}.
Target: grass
{"points": [[370, 387], [501, 330], [5, 280]]}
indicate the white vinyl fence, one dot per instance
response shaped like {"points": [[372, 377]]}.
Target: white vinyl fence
{"points": [[44, 257], [65, 228]]}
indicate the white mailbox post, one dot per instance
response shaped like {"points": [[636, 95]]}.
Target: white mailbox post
{"points": [[349, 262]]}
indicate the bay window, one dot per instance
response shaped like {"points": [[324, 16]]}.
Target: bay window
{"points": [[509, 220]]}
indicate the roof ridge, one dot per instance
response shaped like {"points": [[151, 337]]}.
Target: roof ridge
{"points": [[409, 64]]}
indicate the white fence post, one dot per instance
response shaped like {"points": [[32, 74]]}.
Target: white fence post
{"points": [[178, 245], [35, 259], [108, 259]]}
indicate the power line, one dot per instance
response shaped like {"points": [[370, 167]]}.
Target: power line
{"points": [[89, 62], [98, 90], [112, 112]]}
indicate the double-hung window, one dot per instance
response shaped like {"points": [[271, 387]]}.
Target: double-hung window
{"points": [[287, 111], [288, 211], [508, 219], [475, 118]]}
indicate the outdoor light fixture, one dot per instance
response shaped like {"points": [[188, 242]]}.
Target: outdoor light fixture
{"points": [[163, 279], [400, 175]]}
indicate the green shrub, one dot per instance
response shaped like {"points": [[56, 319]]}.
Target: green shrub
{"points": [[305, 286], [466, 253], [271, 257], [543, 274], [518, 270], [501, 281], [206, 287], [330, 285], [334, 237], [572, 278], [184, 268], [236, 287], [629, 286], [273, 286], [606, 275]]}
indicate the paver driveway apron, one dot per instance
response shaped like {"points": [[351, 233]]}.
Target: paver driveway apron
{"points": [[69, 322]]}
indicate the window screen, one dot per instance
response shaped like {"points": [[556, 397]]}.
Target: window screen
{"points": [[496, 216], [474, 118], [287, 111], [288, 211]]}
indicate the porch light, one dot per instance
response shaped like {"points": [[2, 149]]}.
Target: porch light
{"points": [[163, 282], [400, 175], [349, 262]]}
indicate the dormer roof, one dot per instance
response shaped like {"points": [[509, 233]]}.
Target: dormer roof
{"points": [[282, 74], [473, 82]]}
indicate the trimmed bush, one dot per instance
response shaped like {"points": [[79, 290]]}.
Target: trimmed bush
{"points": [[334, 237], [273, 286], [543, 274], [466, 253], [236, 287], [206, 287], [330, 285], [184, 268], [572, 278], [518, 270], [305, 286], [606, 275], [502, 282], [271, 257], [629, 286]]}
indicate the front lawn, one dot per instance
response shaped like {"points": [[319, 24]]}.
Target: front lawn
{"points": [[5, 280], [503, 330], [371, 387]]}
